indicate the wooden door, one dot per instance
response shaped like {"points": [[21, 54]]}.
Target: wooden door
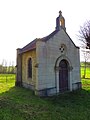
{"points": [[63, 76]]}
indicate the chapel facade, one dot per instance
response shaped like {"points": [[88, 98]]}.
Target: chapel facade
{"points": [[50, 65]]}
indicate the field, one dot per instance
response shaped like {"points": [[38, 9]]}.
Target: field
{"points": [[21, 104], [6, 82], [87, 72]]}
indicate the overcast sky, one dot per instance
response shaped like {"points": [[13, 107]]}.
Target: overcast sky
{"points": [[21, 21]]}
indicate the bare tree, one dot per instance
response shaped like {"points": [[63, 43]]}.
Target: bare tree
{"points": [[86, 55], [9, 67], [4, 64], [1, 68], [12, 68], [84, 35]]}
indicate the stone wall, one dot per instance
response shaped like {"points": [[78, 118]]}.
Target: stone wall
{"points": [[47, 54], [26, 81], [45, 65], [19, 69]]}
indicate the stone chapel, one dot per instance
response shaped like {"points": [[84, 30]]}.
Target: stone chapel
{"points": [[50, 65]]}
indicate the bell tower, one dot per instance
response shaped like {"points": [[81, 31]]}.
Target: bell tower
{"points": [[60, 22]]}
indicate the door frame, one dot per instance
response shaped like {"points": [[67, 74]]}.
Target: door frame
{"points": [[70, 72], [63, 75]]}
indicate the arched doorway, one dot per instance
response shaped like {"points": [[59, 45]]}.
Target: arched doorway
{"points": [[63, 76]]}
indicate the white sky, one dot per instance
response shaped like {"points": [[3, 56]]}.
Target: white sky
{"points": [[21, 21]]}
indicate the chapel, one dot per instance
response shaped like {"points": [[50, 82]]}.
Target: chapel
{"points": [[50, 65]]}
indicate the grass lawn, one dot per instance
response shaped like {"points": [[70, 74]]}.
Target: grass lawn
{"points": [[21, 104], [6, 82], [87, 72]]}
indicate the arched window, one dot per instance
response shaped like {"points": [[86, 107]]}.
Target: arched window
{"points": [[30, 68]]}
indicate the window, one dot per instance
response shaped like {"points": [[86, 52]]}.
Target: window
{"points": [[62, 49], [30, 68]]}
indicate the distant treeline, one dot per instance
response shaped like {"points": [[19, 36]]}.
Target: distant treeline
{"points": [[87, 64], [7, 69]]}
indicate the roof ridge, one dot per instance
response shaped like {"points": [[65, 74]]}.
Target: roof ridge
{"points": [[46, 38], [29, 43], [32, 44], [29, 46]]}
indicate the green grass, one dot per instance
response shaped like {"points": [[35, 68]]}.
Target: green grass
{"points": [[87, 72], [21, 104], [6, 82]]}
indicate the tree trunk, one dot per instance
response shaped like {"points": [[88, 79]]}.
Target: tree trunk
{"points": [[84, 76]]}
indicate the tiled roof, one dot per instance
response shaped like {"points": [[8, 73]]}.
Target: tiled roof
{"points": [[49, 36], [32, 45]]}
